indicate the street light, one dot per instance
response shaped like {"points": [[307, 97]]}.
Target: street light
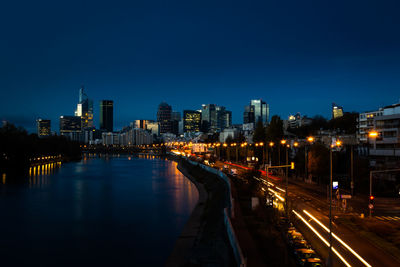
{"points": [[338, 143], [271, 145], [310, 140], [283, 142]]}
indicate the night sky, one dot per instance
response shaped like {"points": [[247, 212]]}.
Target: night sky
{"points": [[299, 56]]}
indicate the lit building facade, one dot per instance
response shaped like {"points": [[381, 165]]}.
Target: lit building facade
{"points": [[191, 121], [84, 109], [43, 127], [258, 110], [386, 122], [107, 115], [164, 114], [296, 121], [215, 118], [71, 127], [248, 114], [366, 123], [337, 111]]}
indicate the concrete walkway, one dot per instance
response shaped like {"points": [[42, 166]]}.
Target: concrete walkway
{"points": [[186, 241]]}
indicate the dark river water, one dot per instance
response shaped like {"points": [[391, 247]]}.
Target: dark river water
{"points": [[108, 211]]}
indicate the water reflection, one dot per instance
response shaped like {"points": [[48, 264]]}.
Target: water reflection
{"points": [[39, 174], [102, 211]]}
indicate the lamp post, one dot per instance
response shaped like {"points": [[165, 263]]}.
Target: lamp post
{"points": [[261, 144], [310, 140], [372, 134], [283, 142], [337, 144], [271, 145]]}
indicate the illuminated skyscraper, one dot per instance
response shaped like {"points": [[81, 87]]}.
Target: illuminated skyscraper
{"points": [[164, 114], [215, 118], [84, 109], [107, 115], [43, 127], [248, 114], [337, 111], [261, 111], [191, 121]]}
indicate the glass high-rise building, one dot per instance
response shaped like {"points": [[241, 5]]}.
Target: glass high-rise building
{"points": [[258, 110], [43, 127], [191, 121], [107, 115], [248, 114], [164, 116], [84, 109], [215, 118], [261, 111]]}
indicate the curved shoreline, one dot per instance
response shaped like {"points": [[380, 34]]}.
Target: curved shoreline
{"points": [[187, 239]]}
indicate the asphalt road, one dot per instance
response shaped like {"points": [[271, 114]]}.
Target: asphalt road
{"points": [[315, 202]]}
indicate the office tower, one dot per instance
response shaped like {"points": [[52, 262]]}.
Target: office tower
{"points": [[154, 128], [248, 114], [337, 111], [191, 121], [175, 120], [106, 115], [224, 118], [141, 124], [215, 118], [84, 109], [208, 117], [175, 116], [43, 127], [164, 114], [261, 111]]}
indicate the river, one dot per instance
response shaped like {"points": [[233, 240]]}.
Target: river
{"points": [[102, 211]]}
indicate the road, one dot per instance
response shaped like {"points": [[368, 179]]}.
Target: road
{"points": [[306, 201]]}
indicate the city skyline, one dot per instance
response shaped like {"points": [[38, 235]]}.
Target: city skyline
{"points": [[189, 54]]}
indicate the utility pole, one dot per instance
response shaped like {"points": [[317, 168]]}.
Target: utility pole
{"points": [[286, 187], [352, 171], [330, 211]]}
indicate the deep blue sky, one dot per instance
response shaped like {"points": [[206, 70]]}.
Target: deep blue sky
{"points": [[299, 56]]}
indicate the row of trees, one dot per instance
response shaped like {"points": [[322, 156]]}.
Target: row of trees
{"points": [[17, 147]]}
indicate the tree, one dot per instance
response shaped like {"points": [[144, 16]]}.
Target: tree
{"points": [[259, 134], [318, 161], [346, 124], [275, 129]]}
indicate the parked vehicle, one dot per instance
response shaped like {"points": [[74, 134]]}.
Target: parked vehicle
{"points": [[313, 262], [304, 254]]}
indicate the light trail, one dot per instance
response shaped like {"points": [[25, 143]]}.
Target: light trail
{"points": [[276, 194], [323, 239], [338, 239], [280, 189]]}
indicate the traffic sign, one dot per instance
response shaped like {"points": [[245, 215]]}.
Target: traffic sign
{"points": [[335, 185], [371, 206]]}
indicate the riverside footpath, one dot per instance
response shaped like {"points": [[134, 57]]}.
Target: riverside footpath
{"points": [[204, 240]]}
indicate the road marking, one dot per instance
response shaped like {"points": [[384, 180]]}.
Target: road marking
{"points": [[338, 239], [323, 239]]}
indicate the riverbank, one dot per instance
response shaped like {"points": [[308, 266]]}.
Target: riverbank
{"points": [[204, 240]]}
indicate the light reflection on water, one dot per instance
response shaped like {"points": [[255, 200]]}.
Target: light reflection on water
{"points": [[102, 211]]}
